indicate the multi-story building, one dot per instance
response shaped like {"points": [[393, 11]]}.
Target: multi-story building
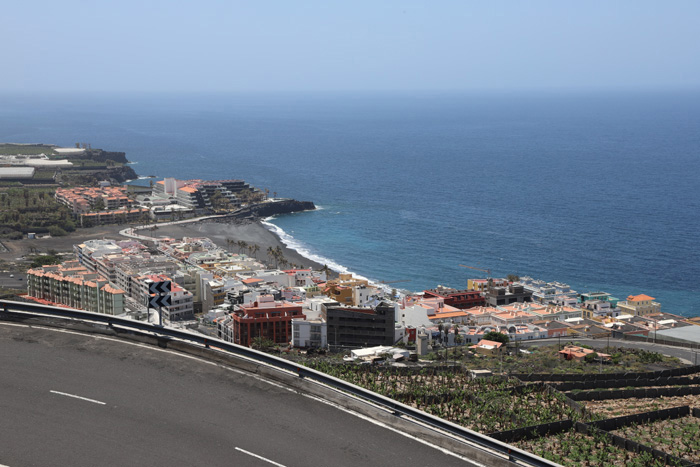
{"points": [[483, 284], [360, 327], [341, 289], [72, 285], [547, 292], [599, 296], [265, 318], [201, 195], [119, 216], [81, 199], [181, 302], [309, 333], [497, 296], [126, 271], [639, 305]]}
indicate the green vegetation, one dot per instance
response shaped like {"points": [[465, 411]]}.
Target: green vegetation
{"points": [[25, 149], [679, 437], [486, 405], [44, 260], [44, 174], [497, 337], [572, 448], [546, 359], [260, 343], [25, 210]]}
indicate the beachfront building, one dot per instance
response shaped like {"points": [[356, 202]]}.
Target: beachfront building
{"points": [[72, 285], [483, 284], [497, 296], [604, 296], [639, 305], [203, 195], [265, 318], [360, 327], [548, 292], [341, 289], [457, 298]]}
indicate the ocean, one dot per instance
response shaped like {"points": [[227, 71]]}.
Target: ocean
{"points": [[596, 189]]}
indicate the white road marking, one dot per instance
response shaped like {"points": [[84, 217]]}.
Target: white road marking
{"points": [[390, 428], [259, 457], [79, 397], [257, 377]]}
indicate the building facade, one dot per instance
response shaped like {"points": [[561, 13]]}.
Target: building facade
{"points": [[360, 327]]}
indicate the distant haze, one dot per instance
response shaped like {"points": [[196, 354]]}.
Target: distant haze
{"points": [[283, 46]]}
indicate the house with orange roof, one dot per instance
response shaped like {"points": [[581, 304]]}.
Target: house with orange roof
{"points": [[488, 347], [84, 198], [639, 305], [573, 352]]}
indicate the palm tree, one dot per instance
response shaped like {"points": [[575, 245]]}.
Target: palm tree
{"points": [[271, 253], [255, 249], [325, 269], [242, 245]]}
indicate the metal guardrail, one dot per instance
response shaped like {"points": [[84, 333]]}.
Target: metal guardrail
{"points": [[478, 440]]}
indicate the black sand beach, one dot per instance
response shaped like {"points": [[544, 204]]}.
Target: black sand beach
{"points": [[248, 231]]}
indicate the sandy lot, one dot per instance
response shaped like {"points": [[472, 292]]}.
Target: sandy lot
{"points": [[247, 231]]}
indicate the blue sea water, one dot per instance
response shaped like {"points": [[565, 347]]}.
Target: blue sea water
{"points": [[599, 190]]}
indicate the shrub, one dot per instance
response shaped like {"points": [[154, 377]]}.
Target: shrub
{"points": [[496, 336], [591, 357], [56, 231]]}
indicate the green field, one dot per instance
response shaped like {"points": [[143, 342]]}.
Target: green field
{"points": [[25, 149]]}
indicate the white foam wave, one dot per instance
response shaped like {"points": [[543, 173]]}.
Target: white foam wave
{"points": [[146, 177], [293, 244], [132, 163]]}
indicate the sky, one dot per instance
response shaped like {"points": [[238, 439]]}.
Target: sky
{"points": [[329, 46]]}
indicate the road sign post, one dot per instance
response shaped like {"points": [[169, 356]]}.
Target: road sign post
{"points": [[158, 297]]}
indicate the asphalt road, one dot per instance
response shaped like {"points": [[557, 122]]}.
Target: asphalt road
{"points": [[689, 355], [19, 281], [83, 400]]}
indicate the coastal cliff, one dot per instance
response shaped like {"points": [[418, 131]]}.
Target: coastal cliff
{"points": [[102, 156], [274, 208]]}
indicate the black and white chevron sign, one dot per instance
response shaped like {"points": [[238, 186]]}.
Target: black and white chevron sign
{"points": [[157, 301], [159, 287]]}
